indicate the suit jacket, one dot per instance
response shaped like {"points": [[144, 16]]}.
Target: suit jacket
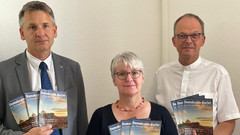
{"points": [[14, 82]]}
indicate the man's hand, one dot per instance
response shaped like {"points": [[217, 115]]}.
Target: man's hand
{"points": [[46, 130]]}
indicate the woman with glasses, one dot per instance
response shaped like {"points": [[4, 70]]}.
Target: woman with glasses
{"points": [[128, 76]]}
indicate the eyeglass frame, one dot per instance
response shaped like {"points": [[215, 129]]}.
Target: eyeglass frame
{"points": [[198, 34], [140, 71]]}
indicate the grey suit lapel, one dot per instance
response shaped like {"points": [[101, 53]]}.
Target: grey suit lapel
{"points": [[22, 72], [59, 72]]}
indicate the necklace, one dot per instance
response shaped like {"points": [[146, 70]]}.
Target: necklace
{"points": [[129, 110]]}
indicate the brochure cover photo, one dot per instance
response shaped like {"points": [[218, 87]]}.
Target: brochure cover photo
{"points": [[20, 113], [145, 127], [115, 129], [32, 100], [134, 126], [198, 116], [126, 126], [53, 109], [194, 113]]}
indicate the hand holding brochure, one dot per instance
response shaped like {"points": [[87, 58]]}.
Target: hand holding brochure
{"points": [[39, 109]]}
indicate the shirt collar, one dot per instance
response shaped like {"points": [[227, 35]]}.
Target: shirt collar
{"points": [[191, 66], [35, 62]]}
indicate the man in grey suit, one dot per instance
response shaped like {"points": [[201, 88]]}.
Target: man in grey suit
{"points": [[21, 73]]}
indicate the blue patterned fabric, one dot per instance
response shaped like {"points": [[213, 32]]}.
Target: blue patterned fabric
{"points": [[46, 84], [45, 81], [56, 132]]}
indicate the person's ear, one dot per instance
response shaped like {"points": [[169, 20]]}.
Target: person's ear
{"points": [[173, 41], [203, 40], [114, 82], [55, 31], [21, 33]]}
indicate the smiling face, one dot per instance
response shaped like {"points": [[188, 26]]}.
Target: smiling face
{"points": [[129, 86], [188, 49], [39, 32]]}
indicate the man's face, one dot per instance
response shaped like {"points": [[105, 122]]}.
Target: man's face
{"points": [[188, 48], [39, 32]]}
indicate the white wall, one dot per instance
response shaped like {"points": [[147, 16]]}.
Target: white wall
{"points": [[92, 32], [222, 26]]}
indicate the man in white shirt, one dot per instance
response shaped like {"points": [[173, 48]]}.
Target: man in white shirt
{"points": [[192, 74]]}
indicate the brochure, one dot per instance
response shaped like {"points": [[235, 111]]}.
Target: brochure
{"points": [[199, 116], [145, 127], [53, 109], [126, 125], [115, 129], [32, 100], [20, 113], [194, 113]]}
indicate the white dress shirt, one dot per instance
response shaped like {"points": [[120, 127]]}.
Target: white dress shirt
{"points": [[35, 73], [173, 81]]}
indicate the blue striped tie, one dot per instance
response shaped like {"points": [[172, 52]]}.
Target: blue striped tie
{"points": [[46, 84]]}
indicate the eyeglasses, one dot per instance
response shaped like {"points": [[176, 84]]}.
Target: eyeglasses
{"points": [[134, 74], [194, 36]]}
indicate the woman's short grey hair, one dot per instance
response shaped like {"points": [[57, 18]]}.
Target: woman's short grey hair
{"points": [[126, 58], [35, 6]]}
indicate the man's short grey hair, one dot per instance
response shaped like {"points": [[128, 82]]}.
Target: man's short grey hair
{"points": [[188, 15], [35, 6], [126, 58]]}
